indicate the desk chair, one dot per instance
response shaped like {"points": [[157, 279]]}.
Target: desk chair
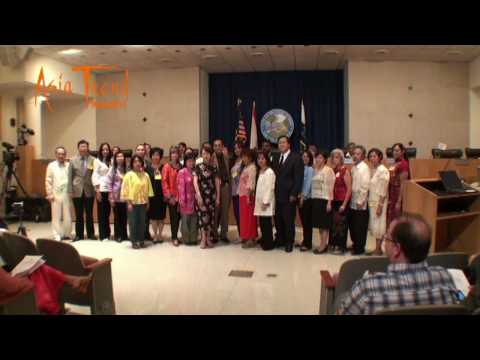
{"points": [[14, 247], [426, 310], [449, 260], [65, 258], [472, 153], [331, 294], [447, 154], [23, 305]]}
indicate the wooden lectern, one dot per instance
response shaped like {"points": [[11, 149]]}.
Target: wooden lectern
{"points": [[454, 218]]}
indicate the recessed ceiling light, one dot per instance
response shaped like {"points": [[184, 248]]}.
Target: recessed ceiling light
{"points": [[202, 49], [381, 51], [124, 51], [332, 52], [209, 56], [307, 45], [280, 46], [258, 53], [177, 51], [228, 48], [149, 49], [70, 52], [253, 47], [454, 52]]}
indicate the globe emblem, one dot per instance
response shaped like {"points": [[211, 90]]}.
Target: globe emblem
{"points": [[276, 123]]}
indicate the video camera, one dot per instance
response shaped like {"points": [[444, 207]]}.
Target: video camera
{"points": [[9, 155], [22, 132]]}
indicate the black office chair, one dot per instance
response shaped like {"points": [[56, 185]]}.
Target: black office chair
{"points": [[472, 153], [410, 152], [94, 153], [447, 154]]}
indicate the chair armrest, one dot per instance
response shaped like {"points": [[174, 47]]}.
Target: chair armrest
{"points": [[23, 304], [327, 293], [327, 279], [102, 300], [96, 265]]}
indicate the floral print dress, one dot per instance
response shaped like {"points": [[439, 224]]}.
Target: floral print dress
{"points": [[206, 175]]}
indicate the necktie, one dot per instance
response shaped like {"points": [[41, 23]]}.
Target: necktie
{"points": [[84, 165], [281, 160]]}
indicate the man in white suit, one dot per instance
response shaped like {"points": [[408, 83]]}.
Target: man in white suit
{"points": [[56, 182]]}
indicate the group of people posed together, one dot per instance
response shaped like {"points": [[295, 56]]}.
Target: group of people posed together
{"points": [[265, 187]]}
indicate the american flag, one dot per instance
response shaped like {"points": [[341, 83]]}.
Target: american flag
{"points": [[241, 133]]}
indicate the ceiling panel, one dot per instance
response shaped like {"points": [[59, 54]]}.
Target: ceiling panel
{"points": [[259, 57], [236, 58], [282, 56], [306, 56]]}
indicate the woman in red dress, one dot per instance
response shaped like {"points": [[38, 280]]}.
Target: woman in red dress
{"points": [[46, 283], [399, 172], [246, 192], [342, 192]]}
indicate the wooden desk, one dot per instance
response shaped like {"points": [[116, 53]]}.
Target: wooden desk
{"points": [[429, 168], [454, 218]]}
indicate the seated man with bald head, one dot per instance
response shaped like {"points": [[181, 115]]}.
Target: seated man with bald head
{"points": [[409, 281]]}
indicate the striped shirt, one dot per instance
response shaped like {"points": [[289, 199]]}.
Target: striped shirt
{"points": [[402, 285]]}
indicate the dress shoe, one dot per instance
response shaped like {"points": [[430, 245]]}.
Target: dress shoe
{"points": [[92, 237], [288, 248], [319, 252], [77, 238], [305, 248], [142, 245], [225, 240], [66, 238], [339, 251], [279, 245], [135, 245]]}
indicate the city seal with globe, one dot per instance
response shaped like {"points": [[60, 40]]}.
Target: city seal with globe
{"points": [[276, 123]]}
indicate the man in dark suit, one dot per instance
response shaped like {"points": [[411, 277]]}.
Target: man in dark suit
{"points": [[273, 155], [81, 190], [288, 184]]}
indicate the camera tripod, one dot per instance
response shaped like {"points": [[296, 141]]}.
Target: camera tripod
{"points": [[22, 230]]}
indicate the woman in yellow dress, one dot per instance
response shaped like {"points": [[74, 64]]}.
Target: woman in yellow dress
{"points": [[136, 190]]}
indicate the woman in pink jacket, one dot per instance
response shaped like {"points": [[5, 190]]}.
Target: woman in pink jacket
{"points": [[186, 201]]}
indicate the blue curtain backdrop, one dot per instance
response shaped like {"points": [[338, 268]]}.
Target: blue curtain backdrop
{"points": [[322, 93]]}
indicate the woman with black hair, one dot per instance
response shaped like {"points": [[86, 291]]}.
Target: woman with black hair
{"points": [[101, 167], [399, 173], [305, 201], [377, 198], [170, 192], [323, 182], [207, 194], [235, 172], [114, 185], [158, 208], [136, 191], [265, 200], [246, 191], [115, 150]]}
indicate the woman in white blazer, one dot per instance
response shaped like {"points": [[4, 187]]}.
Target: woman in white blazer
{"points": [[265, 200]]}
